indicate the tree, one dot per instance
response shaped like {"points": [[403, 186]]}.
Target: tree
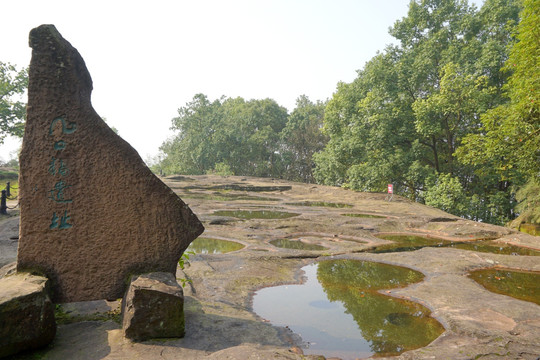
{"points": [[509, 139], [13, 84], [301, 138], [405, 115], [193, 150], [228, 135]]}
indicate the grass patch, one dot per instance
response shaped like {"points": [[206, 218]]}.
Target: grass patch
{"points": [[63, 318]]}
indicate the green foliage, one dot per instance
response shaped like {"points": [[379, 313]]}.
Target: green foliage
{"points": [[13, 84], [411, 107], [446, 193], [301, 138], [509, 139], [529, 202], [184, 259], [182, 262], [222, 169], [237, 137], [227, 135]]}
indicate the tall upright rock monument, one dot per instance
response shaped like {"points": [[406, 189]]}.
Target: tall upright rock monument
{"points": [[92, 213]]}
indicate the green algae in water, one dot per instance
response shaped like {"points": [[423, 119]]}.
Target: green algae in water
{"points": [[321, 204], [225, 197], [296, 244], [411, 243], [339, 312], [255, 214], [369, 216], [531, 229], [523, 285], [204, 245]]}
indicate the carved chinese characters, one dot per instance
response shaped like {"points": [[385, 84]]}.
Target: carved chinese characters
{"points": [[92, 213], [58, 169]]}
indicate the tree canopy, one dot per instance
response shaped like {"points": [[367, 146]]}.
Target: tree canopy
{"points": [[13, 84], [412, 106]]}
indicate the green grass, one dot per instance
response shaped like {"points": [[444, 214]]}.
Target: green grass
{"points": [[14, 187]]}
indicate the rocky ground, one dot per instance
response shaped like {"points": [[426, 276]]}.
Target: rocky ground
{"points": [[220, 323]]}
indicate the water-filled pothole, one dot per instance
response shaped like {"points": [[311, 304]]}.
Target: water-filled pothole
{"points": [[531, 229], [321, 204], [242, 187], [369, 216], [339, 312], [255, 214], [523, 285], [205, 245], [220, 196], [296, 244], [412, 242]]}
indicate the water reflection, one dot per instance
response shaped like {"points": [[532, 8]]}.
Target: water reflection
{"points": [[295, 244], [368, 216], [339, 312], [321, 204], [524, 285], [411, 243], [204, 245], [531, 229], [255, 214]]}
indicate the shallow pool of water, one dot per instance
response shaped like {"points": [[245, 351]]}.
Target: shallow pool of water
{"points": [[411, 243], [369, 216], [524, 285], [296, 244], [321, 204], [216, 196], [531, 229], [255, 214], [339, 312], [205, 245]]}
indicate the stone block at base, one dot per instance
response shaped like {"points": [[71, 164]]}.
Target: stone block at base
{"points": [[153, 307], [26, 313]]}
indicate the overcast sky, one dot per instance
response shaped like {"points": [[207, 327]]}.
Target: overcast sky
{"points": [[148, 58]]}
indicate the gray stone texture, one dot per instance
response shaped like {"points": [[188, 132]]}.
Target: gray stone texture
{"points": [[153, 307], [26, 313], [92, 213]]}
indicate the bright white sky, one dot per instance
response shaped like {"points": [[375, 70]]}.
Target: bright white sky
{"points": [[148, 58]]}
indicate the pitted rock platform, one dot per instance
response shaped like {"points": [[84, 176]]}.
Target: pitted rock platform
{"points": [[92, 213]]}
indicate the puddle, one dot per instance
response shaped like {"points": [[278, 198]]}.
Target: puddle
{"points": [[242, 187], [369, 216], [224, 197], [296, 244], [411, 243], [523, 285], [531, 229], [204, 245], [339, 312], [321, 204], [255, 214]]}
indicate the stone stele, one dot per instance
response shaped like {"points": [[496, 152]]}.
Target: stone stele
{"points": [[92, 213]]}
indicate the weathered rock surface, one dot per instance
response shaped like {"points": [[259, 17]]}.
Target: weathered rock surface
{"points": [[26, 313], [153, 307], [92, 213], [9, 235], [221, 324]]}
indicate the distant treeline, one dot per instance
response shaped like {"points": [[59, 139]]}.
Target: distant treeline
{"points": [[238, 137], [450, 116]]}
